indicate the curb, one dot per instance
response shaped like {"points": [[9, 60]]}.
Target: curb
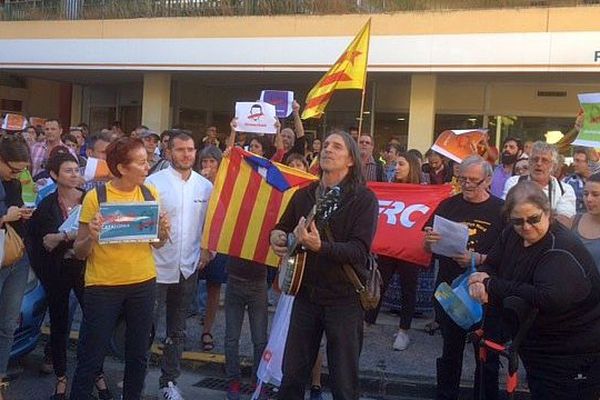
{"points": [[373, 383]]}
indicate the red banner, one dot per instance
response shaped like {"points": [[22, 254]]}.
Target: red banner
{"points": [[403, 211]]}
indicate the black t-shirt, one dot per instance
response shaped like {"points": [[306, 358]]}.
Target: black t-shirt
{"points": [[484, 221], [557, 276]]}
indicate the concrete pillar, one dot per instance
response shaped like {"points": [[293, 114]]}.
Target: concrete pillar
{"points": [[155, 101], [76, 104], [422, 111]]}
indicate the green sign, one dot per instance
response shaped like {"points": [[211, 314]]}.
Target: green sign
{"points": [[589, 135]]}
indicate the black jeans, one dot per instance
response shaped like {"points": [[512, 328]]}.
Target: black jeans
{"points": [[176, 297], [101, 309], [449, 365], [409, 275], [65, 277], [343, 326], [563, 377]]}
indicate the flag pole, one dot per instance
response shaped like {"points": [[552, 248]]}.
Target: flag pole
{"points": [[362, 109], [364, 86]]}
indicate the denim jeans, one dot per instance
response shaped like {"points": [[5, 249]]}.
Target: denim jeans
{"points": [[176, 297], [240, 294], [13, 280], [102, 306], [201, 297], [343, 327]]}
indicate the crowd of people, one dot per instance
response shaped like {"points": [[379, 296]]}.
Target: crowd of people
{"points": [[534, 232]]}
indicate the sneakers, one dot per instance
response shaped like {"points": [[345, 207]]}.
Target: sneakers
{"points": [[170, 392], [316, 393], [402, 341], [233, 391]]}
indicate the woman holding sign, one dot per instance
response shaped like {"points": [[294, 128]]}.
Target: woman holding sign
{"points": [[407, 170], [541, 262], [119, 277]]}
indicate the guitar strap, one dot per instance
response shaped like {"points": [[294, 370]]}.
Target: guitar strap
{"points": [[347, 268]]}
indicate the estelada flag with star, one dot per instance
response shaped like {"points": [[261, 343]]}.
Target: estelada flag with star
{"points": [[348, 72]]}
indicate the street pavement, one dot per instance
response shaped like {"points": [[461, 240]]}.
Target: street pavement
{"points": [[385, 374]]}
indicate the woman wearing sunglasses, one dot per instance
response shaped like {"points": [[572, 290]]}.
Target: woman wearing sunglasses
{"points": [[543, 263]]}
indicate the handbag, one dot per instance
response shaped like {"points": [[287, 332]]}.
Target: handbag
{"points": [[14, 248], [369, 293]]}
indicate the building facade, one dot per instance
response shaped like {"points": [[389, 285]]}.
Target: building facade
{"points": [[512, 71]]}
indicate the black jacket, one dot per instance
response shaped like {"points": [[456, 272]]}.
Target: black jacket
{"points": [[556, 275], [47, 218], [10, 195], [353, 227]]}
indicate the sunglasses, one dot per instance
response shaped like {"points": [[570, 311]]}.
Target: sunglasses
{"points": [[533, 220]]}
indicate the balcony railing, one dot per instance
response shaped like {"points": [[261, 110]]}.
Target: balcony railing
{"points": [[17, 10]]}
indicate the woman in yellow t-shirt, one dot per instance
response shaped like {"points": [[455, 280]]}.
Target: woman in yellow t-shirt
{"points": [[119, 278]]}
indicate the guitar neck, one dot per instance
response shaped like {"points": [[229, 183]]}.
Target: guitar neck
{"points": [[309, 219]]}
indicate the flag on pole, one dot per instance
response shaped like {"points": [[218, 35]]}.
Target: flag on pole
{"points": [[348, 72], [249, 196]]}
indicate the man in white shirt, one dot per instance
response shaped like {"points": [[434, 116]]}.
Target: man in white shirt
{"points": [[542, 160], [184, 196]]}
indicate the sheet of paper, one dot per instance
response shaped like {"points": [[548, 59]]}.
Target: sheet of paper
{"points": [[454, 237], [256, 117], [460, 144], [281, 99], [96, 170], [14, 122], [589, 135], [71, 224]]}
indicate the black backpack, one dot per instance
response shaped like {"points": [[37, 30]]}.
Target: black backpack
{"points": [[101, 193]]}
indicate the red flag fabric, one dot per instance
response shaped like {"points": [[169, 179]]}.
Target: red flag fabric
{"points": [[403, 211]]}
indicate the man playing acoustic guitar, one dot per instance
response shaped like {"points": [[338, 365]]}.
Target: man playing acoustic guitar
{"points": [[326, 301]]}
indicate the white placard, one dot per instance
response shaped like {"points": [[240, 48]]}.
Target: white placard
{"points": [[454, 237], [255, 117]]}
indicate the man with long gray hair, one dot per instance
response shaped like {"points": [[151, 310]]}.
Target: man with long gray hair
{"points": [[327, 301]]}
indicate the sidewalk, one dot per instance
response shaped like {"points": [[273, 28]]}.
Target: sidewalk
{"points": [[385, 374]]}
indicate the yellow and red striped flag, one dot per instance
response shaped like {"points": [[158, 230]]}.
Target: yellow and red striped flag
{"points": [[248, 198], [348, 72]]}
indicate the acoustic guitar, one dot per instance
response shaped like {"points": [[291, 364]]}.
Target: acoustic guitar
{"points": [[291, 268]]}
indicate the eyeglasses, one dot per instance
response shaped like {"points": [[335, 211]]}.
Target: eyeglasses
{"points": [[471, 181], [533, 220], [543, 160], [14, 170]]}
